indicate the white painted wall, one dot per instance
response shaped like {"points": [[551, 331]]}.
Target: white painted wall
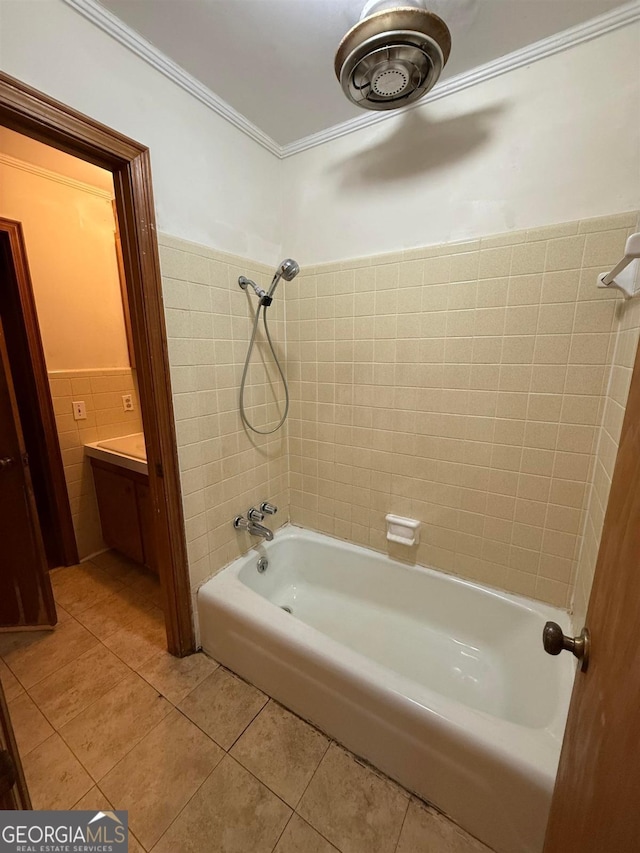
{"points": [[556, 141], [553, 142], [212, 184]]}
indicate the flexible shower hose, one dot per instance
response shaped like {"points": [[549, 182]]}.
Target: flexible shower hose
{"points": [[243, 415]]}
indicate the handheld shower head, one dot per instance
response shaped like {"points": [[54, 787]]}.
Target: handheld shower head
{"points": [[287, 270]]}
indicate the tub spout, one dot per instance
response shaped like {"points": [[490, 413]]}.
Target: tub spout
{"points": [[256, 529], [252, 527]]}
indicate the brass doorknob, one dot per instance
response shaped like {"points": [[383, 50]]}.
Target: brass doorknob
{"points": [[555, 641], [6, 462]]}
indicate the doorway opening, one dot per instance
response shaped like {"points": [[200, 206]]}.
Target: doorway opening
{"points": [[132, 394]]}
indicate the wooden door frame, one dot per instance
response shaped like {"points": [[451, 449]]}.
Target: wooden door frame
{"points": [[35, 114], [58, 502]]}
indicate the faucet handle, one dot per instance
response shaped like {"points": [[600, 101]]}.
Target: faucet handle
{"points": [[254, 514], [268, 508]]}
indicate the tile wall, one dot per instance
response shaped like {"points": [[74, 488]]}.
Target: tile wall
{"points": [[467, 385], [102, 391], [626, 345], [224, 468], [463, 385]]}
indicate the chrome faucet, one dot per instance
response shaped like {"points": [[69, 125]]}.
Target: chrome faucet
{"points": [[252, 523]]}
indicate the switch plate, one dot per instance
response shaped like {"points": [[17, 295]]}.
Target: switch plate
{"points": [[127, 402], [79, 410]]}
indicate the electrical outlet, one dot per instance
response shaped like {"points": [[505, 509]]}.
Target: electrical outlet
{"points": [[79, 410], [127, 402]]}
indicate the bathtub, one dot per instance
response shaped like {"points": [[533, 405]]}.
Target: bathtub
{"points": [[440, 683]]}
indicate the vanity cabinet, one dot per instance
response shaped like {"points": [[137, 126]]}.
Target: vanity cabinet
{"points": [[125, 510]]}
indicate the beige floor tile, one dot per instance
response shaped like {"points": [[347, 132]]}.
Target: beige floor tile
{"points": [[34, 655], [117, 566], [78, 587], [175, 677], [108, 729], [70, 689], [299, 837], [148, 585], [10, 683], [29, 725], [282, 751], [63, 615], [134, 844], [93, 799], [114, 613], [231, 813], [159, 776], [55, 778], [353, 807], [141, 640], [223, 706], [425, 831]]}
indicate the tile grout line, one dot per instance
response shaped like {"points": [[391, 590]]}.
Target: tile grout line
{"points": [[77, 757], [404, 820], [207, 777], [93, 701]]}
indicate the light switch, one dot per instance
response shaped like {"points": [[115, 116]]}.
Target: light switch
{"points": [[79, 410]]}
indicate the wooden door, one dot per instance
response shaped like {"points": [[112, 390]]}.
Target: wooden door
{"points": [[26, 597], [595, 802], [33, 394], [13, 787]]}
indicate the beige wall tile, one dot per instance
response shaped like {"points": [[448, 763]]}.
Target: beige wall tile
{"points": [[102, 393], [469, 392], [506, 364], [565, 253]]}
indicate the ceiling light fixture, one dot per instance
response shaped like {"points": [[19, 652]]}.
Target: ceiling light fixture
{"points": [[394, 54]]}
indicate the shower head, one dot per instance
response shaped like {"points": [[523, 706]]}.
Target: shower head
{"points": [[287, 270], [392, 57]]}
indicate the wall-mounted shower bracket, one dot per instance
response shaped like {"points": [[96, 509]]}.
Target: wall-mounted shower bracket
{"points": [[264, 297], [625, 276]]}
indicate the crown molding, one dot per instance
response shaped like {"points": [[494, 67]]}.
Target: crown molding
{"points": [[613, 20], [109, 23], [121, 32], [41, 172]]}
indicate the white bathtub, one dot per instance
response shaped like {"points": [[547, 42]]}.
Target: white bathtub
{"points": [[438, 682]]}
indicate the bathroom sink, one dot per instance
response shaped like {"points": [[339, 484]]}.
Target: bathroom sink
{"points": [[126, 451], [130, 445]]}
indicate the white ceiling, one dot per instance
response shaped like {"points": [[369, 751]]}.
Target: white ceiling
{"points": [[272, 60]]}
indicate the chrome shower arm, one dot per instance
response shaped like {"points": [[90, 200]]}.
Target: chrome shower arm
{"points": [[245, 282]]}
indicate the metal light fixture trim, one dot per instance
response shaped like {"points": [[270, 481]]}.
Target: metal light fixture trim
{"points": [[392, 58]]}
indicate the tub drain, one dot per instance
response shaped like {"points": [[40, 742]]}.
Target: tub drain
{"points": [[286, 609]]}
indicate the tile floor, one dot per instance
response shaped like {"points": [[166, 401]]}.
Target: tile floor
{"points": [[203, 761]]}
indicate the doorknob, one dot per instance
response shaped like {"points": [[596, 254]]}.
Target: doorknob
{"points": [[6, 462], [554, 642]]}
